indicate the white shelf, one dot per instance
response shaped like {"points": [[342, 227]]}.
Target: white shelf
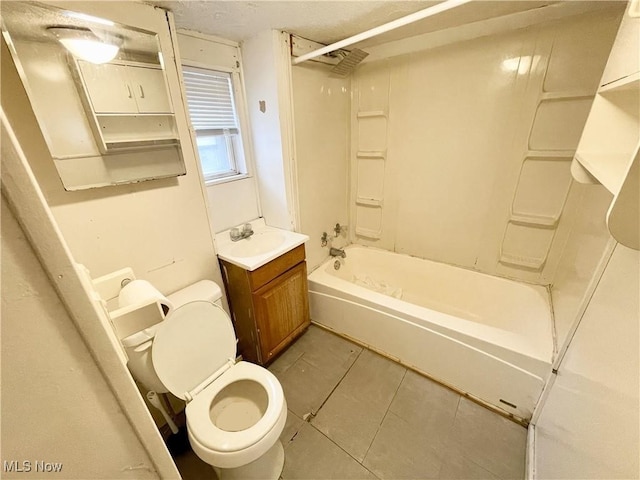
{"points": [[133, 144], [369, 202], [371, 113], [364, 154], [522, 261], [611, 134], [629, 82], [567, 95], [607, 168], [533, 219], [560, 155], [609, 146], [367, 233]]}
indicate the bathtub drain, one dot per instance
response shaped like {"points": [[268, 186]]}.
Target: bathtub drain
{"points": [[336, 265]]}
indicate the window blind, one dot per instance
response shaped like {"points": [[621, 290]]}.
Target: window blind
{"points": [[210, 99]]}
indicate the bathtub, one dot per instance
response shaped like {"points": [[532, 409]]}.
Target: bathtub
{"points": [[487, 337]]}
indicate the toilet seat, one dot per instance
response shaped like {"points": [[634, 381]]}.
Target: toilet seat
{"points": [[209, 435], [193, 345], [193, 354]]}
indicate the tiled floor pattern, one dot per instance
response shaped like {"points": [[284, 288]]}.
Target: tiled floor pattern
{"points": [[354, 414]]}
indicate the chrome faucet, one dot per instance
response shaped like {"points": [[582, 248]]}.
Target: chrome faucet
{"points": [[237, 234], [337, 252]]}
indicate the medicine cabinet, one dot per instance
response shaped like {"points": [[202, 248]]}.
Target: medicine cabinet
{"points": [[127, 103], [105, 122]]}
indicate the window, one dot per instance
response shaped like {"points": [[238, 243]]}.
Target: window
{"points": [[215, 122]]}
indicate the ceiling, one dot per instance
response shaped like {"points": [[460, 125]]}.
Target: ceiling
{"points": [[327, 21]]}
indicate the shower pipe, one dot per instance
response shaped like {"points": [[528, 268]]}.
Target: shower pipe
{"points": [[400, 22]]}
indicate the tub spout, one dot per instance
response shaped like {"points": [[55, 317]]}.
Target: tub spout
{"points": [[337, 252]]}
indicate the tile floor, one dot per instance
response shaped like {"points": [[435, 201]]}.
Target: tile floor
{"points": [[354, 414]]}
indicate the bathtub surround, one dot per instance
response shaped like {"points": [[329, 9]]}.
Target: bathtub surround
{"points": [[440, 172], [321, 109]]}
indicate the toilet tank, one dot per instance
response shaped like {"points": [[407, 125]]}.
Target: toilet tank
{"points": [[202, 290]]}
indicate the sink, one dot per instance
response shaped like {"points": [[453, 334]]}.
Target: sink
{"points": [[257, 244], [266, 244]]}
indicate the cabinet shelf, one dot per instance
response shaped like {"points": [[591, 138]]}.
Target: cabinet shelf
{"points": [[133, 144], [608, 168], [629, 82], [611, 134]]}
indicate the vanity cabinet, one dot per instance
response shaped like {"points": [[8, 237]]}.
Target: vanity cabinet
{"points": [[269, 305]]}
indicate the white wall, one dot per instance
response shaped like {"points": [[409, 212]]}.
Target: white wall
{"points": [[56, 405], [458, 133], [589, 426], [160, 228], [321, 112], [580, 256], [263, 69]]}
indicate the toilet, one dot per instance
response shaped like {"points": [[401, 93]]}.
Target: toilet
{"points": [[235, 411]]}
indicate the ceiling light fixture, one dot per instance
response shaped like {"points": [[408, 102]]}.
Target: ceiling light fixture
{"points": [[84, 44]]}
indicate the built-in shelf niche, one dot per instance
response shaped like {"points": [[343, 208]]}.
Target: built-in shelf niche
{"points": [[611, 134], [608, 149], [370, 168]]}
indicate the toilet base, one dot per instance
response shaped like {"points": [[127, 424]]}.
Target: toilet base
{"points": [[267, 467]]}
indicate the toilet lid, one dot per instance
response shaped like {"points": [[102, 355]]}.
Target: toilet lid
{"points": [[194, 341]]}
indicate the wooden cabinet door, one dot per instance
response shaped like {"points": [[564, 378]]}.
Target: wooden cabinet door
{"points": [[282, 310]]}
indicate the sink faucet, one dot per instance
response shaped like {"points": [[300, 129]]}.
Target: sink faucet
{"points": [[237, 234], [337, 252]]}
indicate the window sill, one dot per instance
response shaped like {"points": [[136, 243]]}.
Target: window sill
{"points": [[231, 178]]}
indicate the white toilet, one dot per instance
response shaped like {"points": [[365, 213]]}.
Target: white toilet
{"points": [[235, 411]]}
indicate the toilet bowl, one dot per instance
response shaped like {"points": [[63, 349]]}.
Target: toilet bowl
{"points": [[235, 411]]}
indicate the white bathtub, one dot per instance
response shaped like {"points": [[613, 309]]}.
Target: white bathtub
{"points": [[482, 335]]}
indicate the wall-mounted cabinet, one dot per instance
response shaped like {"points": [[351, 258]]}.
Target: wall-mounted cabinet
{"points": [[126, 89], [104, 124], [608, 149], [128, 103]]}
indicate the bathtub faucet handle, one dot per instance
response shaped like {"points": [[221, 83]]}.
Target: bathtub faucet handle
{"points": [[324, 239], [338, 229]]}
